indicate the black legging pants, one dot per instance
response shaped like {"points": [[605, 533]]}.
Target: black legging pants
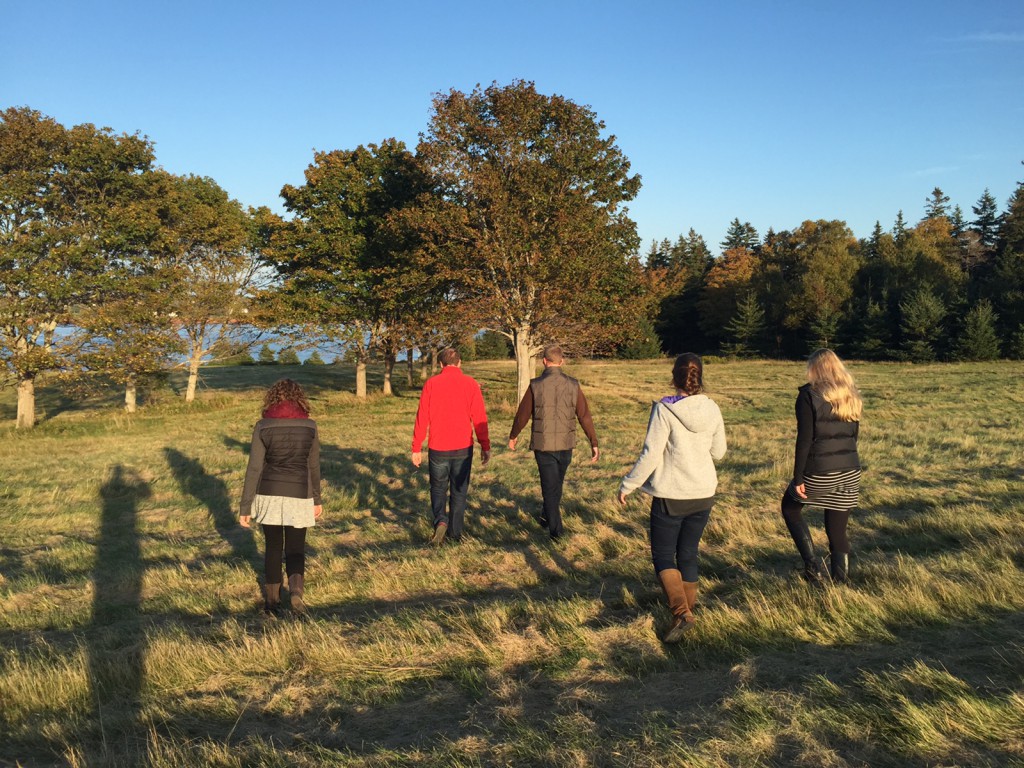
{"points": [[293, 542], [835, 524]]}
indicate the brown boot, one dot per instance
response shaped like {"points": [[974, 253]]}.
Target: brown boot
{"points": [[675, 590], [295, 588], [271, 599]]}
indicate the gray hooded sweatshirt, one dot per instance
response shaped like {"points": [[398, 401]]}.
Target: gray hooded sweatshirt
{"points": [[684, 439]]}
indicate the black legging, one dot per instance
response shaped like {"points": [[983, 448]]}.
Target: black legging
{"points": [[835, 524], [293, 542]]}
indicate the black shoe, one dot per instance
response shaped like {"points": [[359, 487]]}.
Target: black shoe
{"points": [[542, 521]]}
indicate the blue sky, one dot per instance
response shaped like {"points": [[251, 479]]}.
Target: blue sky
{"points": [[773, 112]]}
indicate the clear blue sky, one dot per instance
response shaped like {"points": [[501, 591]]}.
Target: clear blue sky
{"points": [[773, 112]]}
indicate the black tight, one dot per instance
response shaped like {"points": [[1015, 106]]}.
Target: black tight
{"points": [[293, 542], [835, 524]]}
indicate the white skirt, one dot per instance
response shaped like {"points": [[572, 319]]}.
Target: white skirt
{"points": [[283, 510]]}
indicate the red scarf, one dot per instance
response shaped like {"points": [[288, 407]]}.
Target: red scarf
{"points": [[285, 411]]}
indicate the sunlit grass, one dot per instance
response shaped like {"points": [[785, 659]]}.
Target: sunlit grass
{"points": [[131, 631]]}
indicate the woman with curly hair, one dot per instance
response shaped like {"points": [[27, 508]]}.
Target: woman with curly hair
{"points": [[685, 437], [826, 470], [282, 489]]}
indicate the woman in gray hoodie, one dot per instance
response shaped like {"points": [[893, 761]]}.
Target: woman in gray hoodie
{"points": [[685, 436]]}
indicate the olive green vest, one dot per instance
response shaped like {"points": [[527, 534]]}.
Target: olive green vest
{"points": [[554, 411]]}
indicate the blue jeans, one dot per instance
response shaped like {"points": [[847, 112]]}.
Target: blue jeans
{"points": [[449, 474], [552, 466], [674, 540]]}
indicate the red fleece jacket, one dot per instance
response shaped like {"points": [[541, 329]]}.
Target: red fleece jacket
{"points": [[452, 408]]}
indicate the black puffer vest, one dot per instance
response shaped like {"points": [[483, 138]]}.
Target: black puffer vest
{"points": [[835, 441], [554, 411]]}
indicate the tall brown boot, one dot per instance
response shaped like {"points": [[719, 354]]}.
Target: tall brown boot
{"points": [[295, 588], [271, 599], [675, 591]]}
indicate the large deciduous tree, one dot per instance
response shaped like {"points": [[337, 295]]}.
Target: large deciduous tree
{"points": [[351, 269], [67, 213], [543, 243]]}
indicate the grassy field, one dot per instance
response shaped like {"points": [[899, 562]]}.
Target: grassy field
{"points": [[131, 633]]}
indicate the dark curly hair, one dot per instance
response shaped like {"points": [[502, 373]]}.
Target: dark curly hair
{"points": [[285, 391], [688, 373]]}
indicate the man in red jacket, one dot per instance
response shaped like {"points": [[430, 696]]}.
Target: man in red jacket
{"points": [[451, 409]]}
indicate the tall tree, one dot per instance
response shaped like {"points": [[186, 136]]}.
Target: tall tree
{"points": [[986, 219], [725, 286], [740, 236], [210, 243], [923, 313], [547, 248], [65, 216], [351, 271], [684, 266], [936, 205]]}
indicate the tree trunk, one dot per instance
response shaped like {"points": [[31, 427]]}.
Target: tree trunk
{"points": [[26, 401], [361, 378], [389, 367], [524, 350], [193, 375], [409, 368], [433, 361], [130, 396]]}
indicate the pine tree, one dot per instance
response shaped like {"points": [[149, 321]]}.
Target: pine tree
{"points": [[746, 328], [986, 221], [899, 227], [288, 356], [978, 341], [741, 236], [923, 313], [314, 359], [267, 356], [936, 205]]}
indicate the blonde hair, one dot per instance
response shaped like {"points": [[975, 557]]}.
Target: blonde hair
{"points": [[829, 378]]}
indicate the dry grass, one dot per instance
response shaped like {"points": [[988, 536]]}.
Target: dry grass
{"points": [[129, 596]]}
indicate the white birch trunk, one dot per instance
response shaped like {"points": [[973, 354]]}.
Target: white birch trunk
{"points": [[522, 345]]}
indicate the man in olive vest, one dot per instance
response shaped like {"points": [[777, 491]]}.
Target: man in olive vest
{"points": [[555, 402]]}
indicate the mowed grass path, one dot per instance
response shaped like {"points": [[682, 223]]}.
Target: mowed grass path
{"points": [[130, 632]]}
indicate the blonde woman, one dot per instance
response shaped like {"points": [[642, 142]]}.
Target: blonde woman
{"points": [[282, 489], [826, 471]]}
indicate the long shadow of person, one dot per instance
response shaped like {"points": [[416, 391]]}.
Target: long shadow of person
{"points": [[209, 489], [116, 642]]}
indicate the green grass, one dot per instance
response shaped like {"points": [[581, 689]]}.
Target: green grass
{"points": [[130, 632]]}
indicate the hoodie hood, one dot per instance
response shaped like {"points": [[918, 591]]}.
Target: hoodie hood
{"points": [[697, 412]]}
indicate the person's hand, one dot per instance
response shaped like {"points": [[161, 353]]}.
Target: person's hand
{"points": [[512, 443], [417, 458], [801, 490], [485, 456], [244, 521], [594, 454], [622, 497], [318, 510]]}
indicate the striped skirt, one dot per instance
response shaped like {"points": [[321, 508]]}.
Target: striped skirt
{"points": [[831, 490]]}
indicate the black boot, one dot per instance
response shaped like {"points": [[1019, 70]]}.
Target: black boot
{"points": [[805, 546], [839, 567]]}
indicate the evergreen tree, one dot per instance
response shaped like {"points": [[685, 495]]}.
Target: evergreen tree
{"points": [[956, 221], [267, 356], [314, 359], [642, 345], [746, 328], [936, 205], [288, 356], [978, 340], [1015, 349], [986, 221], [874, 332], [899, 227], [491, 345], [923, 313], [741, 236]]}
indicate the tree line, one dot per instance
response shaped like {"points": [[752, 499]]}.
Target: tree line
{"points": [[508, 218], [945, 288]]}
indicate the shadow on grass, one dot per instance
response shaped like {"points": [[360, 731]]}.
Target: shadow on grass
{"points": [[212, 492], [116, 641]]}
